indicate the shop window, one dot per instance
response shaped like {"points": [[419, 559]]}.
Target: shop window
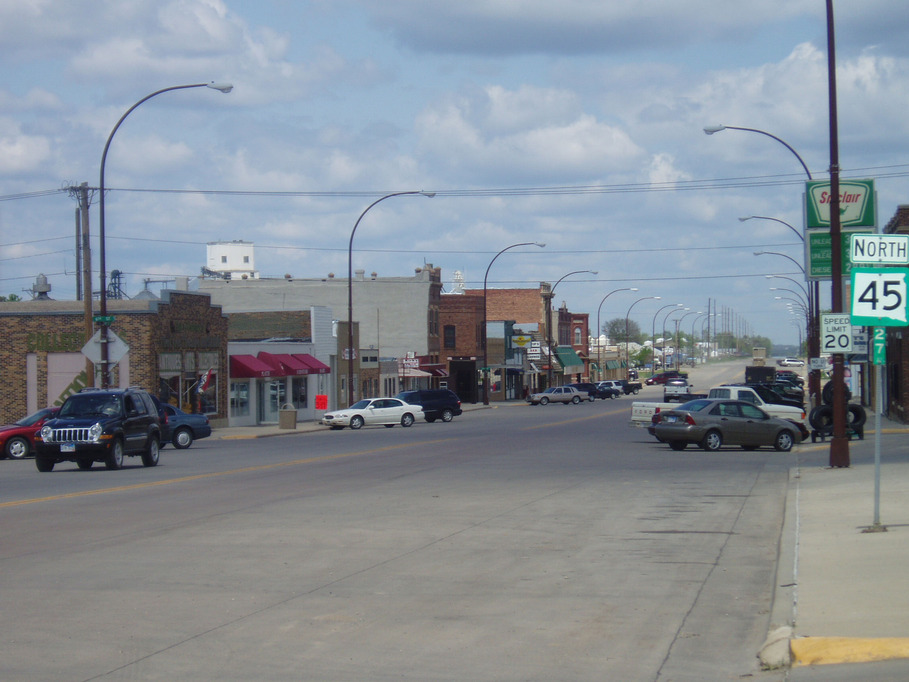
{"points": [[450, 337], [577, 336], [239, 399]]}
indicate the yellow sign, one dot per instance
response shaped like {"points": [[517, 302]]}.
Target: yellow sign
{"points": [[521, 341]]}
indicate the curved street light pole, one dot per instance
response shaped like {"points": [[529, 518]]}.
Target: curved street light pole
{"points": [[776, 220], [627, 343], [485, 368], [599, 331], [693, 323], [777, 253], [803, 301], [710, 130], [350, 336], [678, 337], [653, 328], [102, 237], [549, 318]]}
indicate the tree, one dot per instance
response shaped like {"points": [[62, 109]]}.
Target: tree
{"points": [[615, 330], [10, 298]]}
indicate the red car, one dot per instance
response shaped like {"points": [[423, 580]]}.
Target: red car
{"points": [[18, 440]]}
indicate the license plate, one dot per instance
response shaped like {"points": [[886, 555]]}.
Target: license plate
{"points": [[670, 420], [67, 447]]}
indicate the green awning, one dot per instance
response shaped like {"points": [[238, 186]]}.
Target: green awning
{"points": [[570, 361]]}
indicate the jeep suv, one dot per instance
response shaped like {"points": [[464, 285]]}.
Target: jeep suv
{"points": [[101, 426], [437, 403]]}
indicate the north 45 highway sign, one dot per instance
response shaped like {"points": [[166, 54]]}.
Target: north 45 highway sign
{"points": [[879, 297]]}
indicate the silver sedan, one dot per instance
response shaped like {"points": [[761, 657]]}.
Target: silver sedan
{"points": [[557, 394], [714, 423]]}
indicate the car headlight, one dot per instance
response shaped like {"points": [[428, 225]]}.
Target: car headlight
{"points": [[47, 433], [94, 433]]}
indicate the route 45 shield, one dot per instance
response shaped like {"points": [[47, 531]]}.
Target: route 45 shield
{"points": [[879, 297]]}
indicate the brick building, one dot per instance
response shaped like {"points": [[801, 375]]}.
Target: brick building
{"points": [[896, 380], [173, 344]]}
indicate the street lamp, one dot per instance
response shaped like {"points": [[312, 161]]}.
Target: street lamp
{"points": [[485, 368], [678, 336], [599, 307], [797, 283], [653, 328], [549, 318], [350, 337], [776, 220], [102, 260], [693, 323], [627, 353], [710, 130], [777, 253]]}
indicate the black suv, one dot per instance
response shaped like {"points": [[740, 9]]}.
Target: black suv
{"points": [[436, 403], [97, 425]]}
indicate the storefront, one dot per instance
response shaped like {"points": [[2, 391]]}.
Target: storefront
{"points": [[267, 377]]}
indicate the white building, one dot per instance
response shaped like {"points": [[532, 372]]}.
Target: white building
{"points": [[232, 260]]}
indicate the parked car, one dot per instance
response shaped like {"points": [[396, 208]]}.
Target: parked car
{"points": [[790, 375], [714, 423], [437, 403], [593, 391], [557, 394], [97, 425], [614, 387], [679, 390], [630, 386], [18, 440], [182, 428], [374, 411], [791, 362]]}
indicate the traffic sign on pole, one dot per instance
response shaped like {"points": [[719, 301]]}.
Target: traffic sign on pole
{"points": [[879, 297], [836, 333], [879, 249], [879, 346]]}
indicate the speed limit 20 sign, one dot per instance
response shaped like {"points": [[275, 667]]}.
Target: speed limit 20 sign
{"points": [[879, 297]]}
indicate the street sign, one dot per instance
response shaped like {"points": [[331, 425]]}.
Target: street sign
{"points": [[879, 249], [116, 348], [836, 333], [879, 346], [103, 319], [879, 297], [856, 203]]}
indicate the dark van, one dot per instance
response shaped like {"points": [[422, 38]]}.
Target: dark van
{"points": [[436, 403]]}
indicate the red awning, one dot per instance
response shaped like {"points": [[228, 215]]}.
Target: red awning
{"points": [[315, 366], [249, 367], [437, 370], [288, 365]]}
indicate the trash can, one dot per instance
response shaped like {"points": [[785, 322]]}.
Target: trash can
{"points": [[287, 417]]}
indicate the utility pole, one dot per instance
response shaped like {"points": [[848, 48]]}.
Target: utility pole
{"points": [[85, 269]]}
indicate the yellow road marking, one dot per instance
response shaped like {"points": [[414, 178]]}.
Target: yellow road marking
{"points": [[213, 474]]}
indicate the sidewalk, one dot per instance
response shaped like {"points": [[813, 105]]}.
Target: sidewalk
{"points": [[841, 584]]}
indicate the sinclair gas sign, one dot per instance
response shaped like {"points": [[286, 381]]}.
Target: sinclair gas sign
{"points": [[856, 203]]}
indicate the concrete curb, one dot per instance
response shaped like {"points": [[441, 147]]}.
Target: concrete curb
{"points": [[832, 650]]}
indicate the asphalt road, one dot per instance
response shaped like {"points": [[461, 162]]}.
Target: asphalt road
{"points": [[517, 543]]}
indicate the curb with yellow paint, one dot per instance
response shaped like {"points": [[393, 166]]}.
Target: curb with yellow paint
{"points": [[831, 650]]}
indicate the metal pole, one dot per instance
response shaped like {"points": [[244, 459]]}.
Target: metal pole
{"points": [[350, 335]]}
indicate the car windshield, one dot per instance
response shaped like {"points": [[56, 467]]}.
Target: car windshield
{"points": [[360, 405], [695, 405], [34, 418], [90, 406]]}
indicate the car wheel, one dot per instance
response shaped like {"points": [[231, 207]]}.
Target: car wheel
{"points": [[114, 458], [783, 441], [544, 401], [713, 441], [44, 464], [151, 456], [575, 399], [407, 420], [591, 398], [356, 422], [612, 396], [678, 444], [183, 438], [85, 463], [17, 447], [447, 415]]}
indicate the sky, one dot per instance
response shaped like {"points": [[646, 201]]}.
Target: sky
{"points": [[576, 124]]}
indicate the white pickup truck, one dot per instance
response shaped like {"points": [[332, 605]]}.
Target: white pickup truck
{"points": [[642, 413]]}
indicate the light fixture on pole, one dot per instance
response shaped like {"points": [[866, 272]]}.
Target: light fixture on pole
{"points": [[627, 343], [104, 319], [351, 352], [783, 255], [678, 337], [599, 331], [549, 318], [485, 367], [710, 130], [653, 329]]}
